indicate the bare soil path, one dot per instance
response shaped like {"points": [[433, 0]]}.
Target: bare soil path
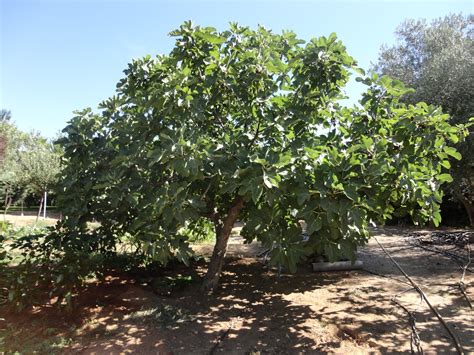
{"points": [[255, 310], [29, 218]]}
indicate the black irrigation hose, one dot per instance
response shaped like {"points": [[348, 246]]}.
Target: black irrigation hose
{"points": [[385, 276], [459, 259], [462, 285], [457, 344], [415, 337], [220, 339]]}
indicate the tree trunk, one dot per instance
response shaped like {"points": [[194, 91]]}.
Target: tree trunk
{"points": [[45, 204], [211, 280], [39, 210], [468, 206], [8, 202]]}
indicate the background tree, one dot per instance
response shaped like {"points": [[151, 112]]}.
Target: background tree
{"points": [[245, 125], [437, 61], [3, 146], [39, 167], [5, 115], [10, 141], [29, 164]]}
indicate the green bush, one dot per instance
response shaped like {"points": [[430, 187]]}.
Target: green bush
{"points": [[199, 231], [4, 227], [52, 264], [12, 232]]}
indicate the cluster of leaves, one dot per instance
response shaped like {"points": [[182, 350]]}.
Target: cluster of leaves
{"points": [[201, 230], [10, 232], [5, 117], [42, 263], [4, 227], [50, 265], [436, 60]]}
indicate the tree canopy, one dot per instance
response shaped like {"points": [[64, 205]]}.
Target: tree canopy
{"points": [[437, 61], [245, 125], [28, 162], [5, 115]]}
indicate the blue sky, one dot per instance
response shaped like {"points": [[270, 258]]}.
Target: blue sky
{"points": [[57, 56]]}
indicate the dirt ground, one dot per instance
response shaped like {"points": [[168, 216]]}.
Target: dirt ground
{"points": [[29, 218], [255, 310]]}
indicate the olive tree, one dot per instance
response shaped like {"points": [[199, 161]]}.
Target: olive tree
{"points": [[245, 125]]}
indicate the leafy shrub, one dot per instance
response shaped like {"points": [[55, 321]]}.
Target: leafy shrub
{"points": [[54, 265], [51, 264], [4, 227], [12, 232], [4, 261], [199, 231]]}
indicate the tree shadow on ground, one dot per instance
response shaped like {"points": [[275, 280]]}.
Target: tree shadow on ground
{"points": [[247, 313], [253, 310]]}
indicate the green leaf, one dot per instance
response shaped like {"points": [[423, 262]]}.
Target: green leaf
{"points": [[357, 215], [452, 152], [331, 252], [351, 192], [256, 192], [284, 159], [348, 248], [270, 181], [211, 38], [454, 138], [313, 224], [436, 218], [301, 197], [445, 178], [446, 164], [260, 161], [367, 142], [101, 186]]}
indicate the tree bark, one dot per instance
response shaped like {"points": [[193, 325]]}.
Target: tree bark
{"points": [[468, 206], [211, 280], [8, 202], [45, 204], [39, 210]]}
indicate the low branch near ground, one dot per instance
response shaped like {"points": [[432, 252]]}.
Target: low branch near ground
{"points": [[456, 342]]}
